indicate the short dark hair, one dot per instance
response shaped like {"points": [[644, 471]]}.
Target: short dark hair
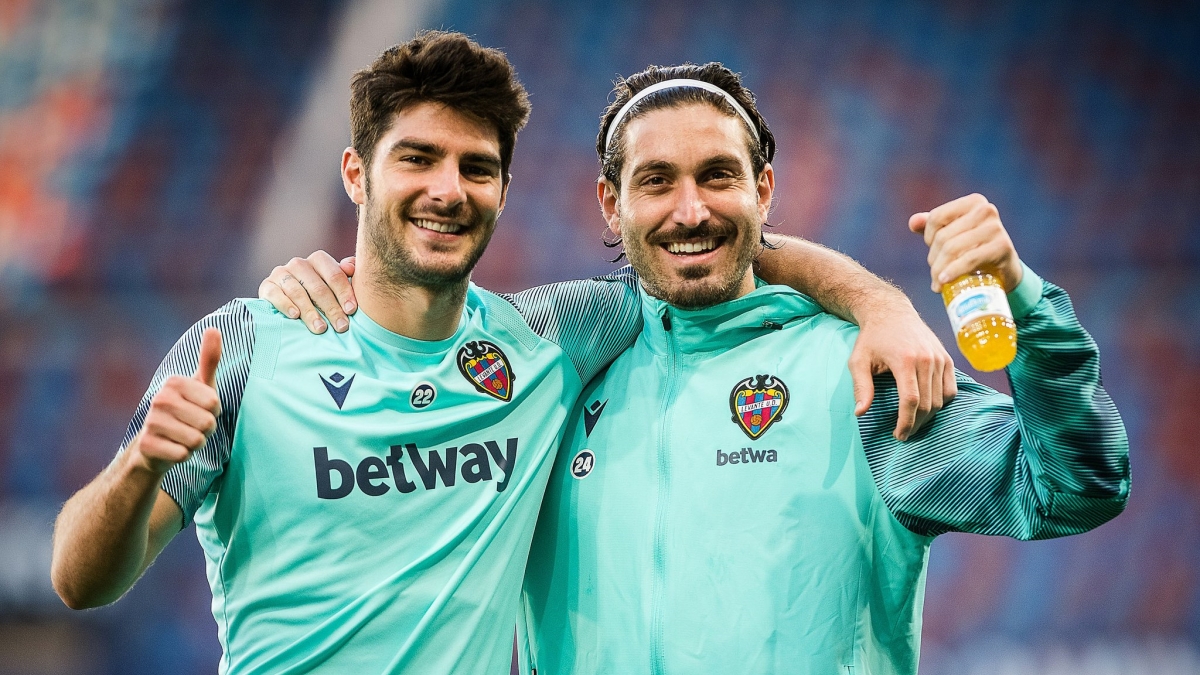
{"points": [[439, 67], [612, 158]]}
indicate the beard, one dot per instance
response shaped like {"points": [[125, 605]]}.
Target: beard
{"points": [[700, 285], [399, 264]]}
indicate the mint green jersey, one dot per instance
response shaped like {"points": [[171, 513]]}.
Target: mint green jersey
{"points": [[718, 508], [367, 502]]}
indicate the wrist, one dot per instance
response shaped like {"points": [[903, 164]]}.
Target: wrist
{"points": [[138, 467], [882, 309]]}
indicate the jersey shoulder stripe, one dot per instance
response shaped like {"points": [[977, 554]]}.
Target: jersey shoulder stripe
{"points": [[189, 481], [591, 320]]}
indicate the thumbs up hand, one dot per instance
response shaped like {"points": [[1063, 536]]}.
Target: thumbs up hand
{"points": [[183, 414]]}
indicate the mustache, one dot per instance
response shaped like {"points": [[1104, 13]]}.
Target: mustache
{"points": [[705, 230]]}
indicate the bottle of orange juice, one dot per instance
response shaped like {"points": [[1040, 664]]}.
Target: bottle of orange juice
{"points": [[982, 320]]}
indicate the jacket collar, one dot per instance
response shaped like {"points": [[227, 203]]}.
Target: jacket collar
{"points": [[724, 325]]}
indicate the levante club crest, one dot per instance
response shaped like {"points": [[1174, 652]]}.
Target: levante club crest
{"points": [[485, 366], [757, 402]]}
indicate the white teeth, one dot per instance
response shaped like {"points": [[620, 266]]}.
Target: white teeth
{"points": [[446, 228], [692, 247]]}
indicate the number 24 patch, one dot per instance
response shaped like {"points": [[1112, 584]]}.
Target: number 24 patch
{"points": [[583, 463]]}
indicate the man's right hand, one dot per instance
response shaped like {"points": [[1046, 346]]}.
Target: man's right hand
{"points": [[305, 285], [182, 415]]}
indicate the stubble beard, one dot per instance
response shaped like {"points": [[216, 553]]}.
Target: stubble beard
{"points": [[696, 286], [399, 268]]}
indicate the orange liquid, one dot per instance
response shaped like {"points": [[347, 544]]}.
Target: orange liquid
{"points": [[990, 341]]}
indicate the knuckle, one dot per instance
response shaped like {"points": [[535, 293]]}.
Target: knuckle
{"points": [[152, 447], [194, 439], [296, 260], [154, 429], [163, 403]]}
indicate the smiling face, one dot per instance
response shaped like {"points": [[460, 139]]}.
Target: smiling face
{"points": [[431, 197], [689, 209]]}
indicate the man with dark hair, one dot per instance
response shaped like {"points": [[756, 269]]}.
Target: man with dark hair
{"points": [[716, 506], [481, 84], [365, 499]]}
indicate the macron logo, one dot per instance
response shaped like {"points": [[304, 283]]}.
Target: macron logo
{"points": [[590, 417], [336, 389]]}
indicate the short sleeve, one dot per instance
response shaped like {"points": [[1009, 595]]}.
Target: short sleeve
{"points": [[592, 320], [189, 481]]}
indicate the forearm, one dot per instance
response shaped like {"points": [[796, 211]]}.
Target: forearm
{"points": [[838, 283], [1069, 421], [102, 535], [1050, 463]]}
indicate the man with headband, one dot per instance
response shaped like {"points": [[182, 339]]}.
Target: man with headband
{"points": [[365, 499], [716, 506]]}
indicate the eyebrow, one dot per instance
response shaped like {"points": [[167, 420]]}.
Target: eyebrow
{"points": [[654, 165], [723, 159], [485, 158], [418, 145], [663, 165]]}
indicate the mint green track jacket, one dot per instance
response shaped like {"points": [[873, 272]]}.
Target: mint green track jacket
{"points": [[717, 507]]}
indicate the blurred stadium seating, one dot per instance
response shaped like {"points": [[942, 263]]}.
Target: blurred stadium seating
{"points": [[136, 138]]}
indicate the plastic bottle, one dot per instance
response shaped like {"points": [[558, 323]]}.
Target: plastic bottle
{"points": [[982, 320]]}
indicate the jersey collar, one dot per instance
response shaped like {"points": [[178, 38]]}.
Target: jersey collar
{"points": [[724, 325]]}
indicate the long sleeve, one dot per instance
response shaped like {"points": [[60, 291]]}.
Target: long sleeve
{"points": [[1050, 461]]}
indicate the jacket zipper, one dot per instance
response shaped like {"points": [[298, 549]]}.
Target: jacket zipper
{"points": [[658, 661]]}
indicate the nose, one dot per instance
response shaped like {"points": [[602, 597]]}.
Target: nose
{"points": [[446, 185], [690, 208]]}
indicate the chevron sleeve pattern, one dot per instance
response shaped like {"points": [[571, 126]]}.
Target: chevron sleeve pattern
{"points": [[189, 481], [1051, 461], [592, 320]]}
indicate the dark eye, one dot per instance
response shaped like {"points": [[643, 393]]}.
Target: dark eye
{"points": [[415, 160]]}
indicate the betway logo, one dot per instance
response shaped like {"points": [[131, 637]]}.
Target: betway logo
{"points": [[746, 456], [373, 473]]}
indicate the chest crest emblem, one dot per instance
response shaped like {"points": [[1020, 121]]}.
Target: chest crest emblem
{"points": [[487, 368], [757, 402]]}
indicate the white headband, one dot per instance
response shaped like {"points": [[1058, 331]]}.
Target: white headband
{"points": [[671, 84]]}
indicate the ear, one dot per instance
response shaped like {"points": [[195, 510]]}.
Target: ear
{"points": [[607, 194], [354, 176], [504, 193], [766, 191]]}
